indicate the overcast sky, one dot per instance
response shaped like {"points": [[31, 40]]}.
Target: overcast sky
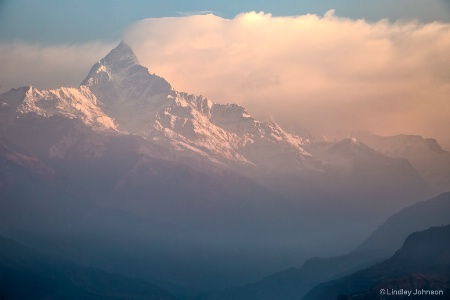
{"points": [[378, 65]]}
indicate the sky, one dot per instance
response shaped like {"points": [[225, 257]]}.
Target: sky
{"points": [[327, 67]]}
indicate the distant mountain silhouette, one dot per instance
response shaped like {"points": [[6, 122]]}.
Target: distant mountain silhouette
{"points": [[28, 274], [391, 234], [422, 263]]}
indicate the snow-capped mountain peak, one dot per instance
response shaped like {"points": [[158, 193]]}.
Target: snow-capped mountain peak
{"points": [[119, 93], [119, 59], [119, 77], [145, 104]]}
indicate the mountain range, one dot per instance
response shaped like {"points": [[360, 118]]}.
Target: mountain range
{"points": [[119, 96], [128, 175]]}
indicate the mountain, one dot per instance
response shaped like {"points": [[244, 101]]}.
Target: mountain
{"points": [[29, 274], [145, 104], [294, 283], [129, 175], [426, 155], [119, 94], [420, 267]]}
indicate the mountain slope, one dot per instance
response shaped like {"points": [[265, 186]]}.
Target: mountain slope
{"points": [[422, 263], [28, 274], [390, 235], [79, 103]]}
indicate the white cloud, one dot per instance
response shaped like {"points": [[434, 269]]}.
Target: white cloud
{"points": [[193, 13], [328, 74]]}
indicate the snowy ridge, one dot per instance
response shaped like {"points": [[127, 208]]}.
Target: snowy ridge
{"points": [[74, 103]]}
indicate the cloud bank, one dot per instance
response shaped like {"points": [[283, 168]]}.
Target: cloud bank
{"points": [[329, 75]]}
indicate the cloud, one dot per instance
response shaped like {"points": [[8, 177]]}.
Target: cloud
{"points": [[330, 75], [193, 13], [47, 66]]}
